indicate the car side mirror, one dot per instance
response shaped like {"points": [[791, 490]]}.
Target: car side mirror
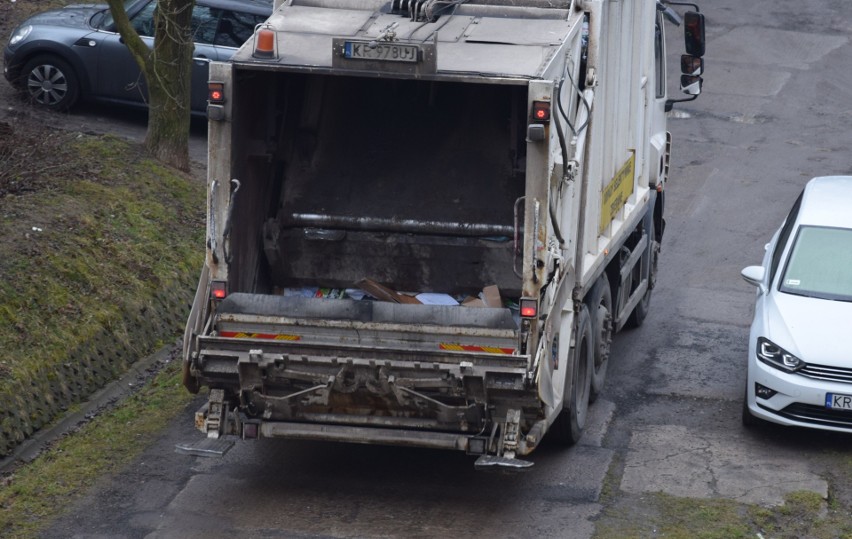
{"points": [[754, 276]]}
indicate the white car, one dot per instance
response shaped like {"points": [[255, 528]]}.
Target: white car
{"points": [[800, 359]]}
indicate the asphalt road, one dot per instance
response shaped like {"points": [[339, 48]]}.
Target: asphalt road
{"points": [[775, 111]]}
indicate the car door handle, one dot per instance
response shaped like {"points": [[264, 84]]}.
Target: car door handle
{"points": [[201, 60]]}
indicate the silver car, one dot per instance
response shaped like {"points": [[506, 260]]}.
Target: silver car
{"points": [[800, 362], [62, 55]]}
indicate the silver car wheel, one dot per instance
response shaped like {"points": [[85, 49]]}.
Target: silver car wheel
{"points": [[47, 85]]}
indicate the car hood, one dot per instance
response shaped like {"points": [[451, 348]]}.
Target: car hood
{"points": [[815, 330], [74, 16]]}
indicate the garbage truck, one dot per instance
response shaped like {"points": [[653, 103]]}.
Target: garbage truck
{"points": [[426, 219]]}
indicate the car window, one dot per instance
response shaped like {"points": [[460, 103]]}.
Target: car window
{"points": [[786, 229], [236, 28], [820, 264], [143, 22], [204, 21], [108, 22]]}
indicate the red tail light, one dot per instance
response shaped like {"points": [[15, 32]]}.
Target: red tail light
{"points": [[216, 92], [529, 307], [218, 290], [541, 111]]}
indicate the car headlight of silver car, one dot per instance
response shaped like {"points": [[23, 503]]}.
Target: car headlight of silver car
{"points": [[775, 356], [20, 34]]}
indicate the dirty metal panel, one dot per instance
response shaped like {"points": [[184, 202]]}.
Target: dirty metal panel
{"points": [[206, 447], [492, 59], [330, 22], [518, 32], [449, 29], [368, 311], [220, 350], [310, 50]]}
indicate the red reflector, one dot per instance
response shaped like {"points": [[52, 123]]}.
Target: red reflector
{"points": [[541, 111], [529, 307], [264, 44], [216, 92], [218, 290]]}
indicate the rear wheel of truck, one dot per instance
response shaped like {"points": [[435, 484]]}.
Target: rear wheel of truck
{"points": [[567, 429], [600, 309]]}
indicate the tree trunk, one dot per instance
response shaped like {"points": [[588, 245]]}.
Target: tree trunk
{"points": [[169, 77], [168, 72]]}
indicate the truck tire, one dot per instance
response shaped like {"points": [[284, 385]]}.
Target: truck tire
{"points": [[641, 310], [50, 82], [600, 309], [567, 429]]}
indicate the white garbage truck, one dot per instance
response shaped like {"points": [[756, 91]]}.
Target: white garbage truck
{"points": [[427, 219]]}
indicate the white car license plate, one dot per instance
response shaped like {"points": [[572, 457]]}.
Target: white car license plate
{"points": [[836, 401], [387, 52]]}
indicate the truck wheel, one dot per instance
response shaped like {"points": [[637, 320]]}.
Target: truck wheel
{"points": [[600, 309], [50, 83], [567, 429], [641, 310]]}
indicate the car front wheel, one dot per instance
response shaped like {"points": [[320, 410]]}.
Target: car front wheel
{"points": [[50, 82]]}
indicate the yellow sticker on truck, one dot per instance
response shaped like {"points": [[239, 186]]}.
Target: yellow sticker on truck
{"points": [[471, 348], [616, 193], [269, 336]]}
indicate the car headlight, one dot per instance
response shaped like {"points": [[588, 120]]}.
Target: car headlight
{"points": [[775, 356], [20, 34]]}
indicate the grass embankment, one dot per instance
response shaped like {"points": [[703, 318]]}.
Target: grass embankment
{"points": [[100, 250]]}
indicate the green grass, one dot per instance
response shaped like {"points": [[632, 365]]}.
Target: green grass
{"points": [[804, 514], [100, 249], [109, 239], [42, 490]]}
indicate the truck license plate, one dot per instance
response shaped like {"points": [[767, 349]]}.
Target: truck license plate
{"points": [[386, 52], [836, 401]]}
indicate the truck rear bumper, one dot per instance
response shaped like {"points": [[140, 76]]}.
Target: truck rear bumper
{"points": [[369, 435]]}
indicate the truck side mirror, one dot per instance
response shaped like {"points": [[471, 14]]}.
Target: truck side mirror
{"points": [[690, 85], [691, 65], [693, 33]]}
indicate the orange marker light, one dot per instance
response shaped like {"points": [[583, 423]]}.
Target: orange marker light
{"points": [[264, 44]]}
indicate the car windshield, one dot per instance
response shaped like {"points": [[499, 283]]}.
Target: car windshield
{"points": [[820, 264]]}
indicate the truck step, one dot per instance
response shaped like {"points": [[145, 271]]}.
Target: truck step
{"points": [[206, 447], [486, 462]]}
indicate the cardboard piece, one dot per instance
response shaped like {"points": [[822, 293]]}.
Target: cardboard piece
{"points": [[433, 298], [489, 297], [384, 293]]}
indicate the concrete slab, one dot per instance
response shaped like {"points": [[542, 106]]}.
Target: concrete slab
{"points": [[681, 462]]}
